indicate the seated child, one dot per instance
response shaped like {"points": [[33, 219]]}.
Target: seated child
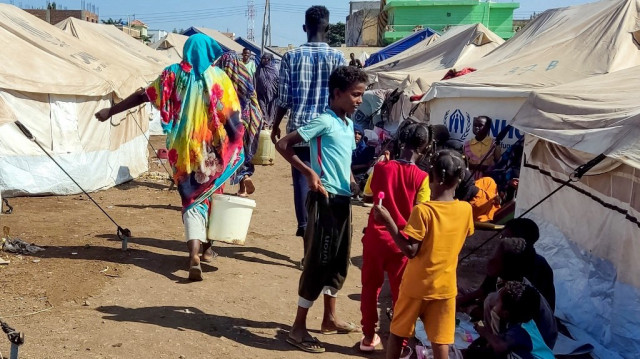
{"points": [[478, 147], [510, 262], [363, 156], [404, 185], [432, 239], [519, 337]]}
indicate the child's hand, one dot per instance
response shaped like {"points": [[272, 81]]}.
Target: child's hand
{"points": [[355, 189], [381, 215], [315, 184], [481, 329]]}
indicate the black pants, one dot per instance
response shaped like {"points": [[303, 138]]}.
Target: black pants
{"points": [[327, 244]]}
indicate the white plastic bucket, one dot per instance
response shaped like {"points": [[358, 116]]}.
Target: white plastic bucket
{"points": [[229, 218]]}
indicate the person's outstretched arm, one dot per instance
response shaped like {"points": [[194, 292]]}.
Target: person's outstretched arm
{"points": [[135, 99], [407, 245]]}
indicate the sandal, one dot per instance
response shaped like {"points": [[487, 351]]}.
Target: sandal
{"points": [[309, 344], [195, 273], [248, 185], [351, 328], [369, 348]]}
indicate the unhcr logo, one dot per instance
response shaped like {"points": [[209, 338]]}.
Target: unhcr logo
{"points": [[458, 124]]}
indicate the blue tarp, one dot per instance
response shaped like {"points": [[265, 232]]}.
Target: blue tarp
{"points": [[255, 48], [399, 46]]}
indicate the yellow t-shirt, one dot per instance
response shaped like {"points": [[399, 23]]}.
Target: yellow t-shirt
{"points": [[442, 227]]}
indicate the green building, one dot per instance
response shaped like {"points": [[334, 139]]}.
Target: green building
{"points": [[406, 16]]}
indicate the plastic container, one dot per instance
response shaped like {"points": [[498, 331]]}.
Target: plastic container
{"points": [[266, 152], [229, 218]]}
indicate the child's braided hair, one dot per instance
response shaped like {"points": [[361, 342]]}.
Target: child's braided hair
{"points": [[447, 168]]}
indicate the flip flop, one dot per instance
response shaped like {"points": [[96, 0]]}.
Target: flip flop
{"points": [[207, 260], [306, 345], [195, 273], [248, 185], [352, 328], [369, 348]]}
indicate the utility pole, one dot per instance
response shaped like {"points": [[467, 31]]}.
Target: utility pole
{"points": [[266, 26], [251, 20]]}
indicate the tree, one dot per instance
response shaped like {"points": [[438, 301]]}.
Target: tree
{"points": [[336, 34], [369, 19], [111, 21], [51, 6]]}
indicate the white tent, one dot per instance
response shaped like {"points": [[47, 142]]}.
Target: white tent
{"points": [[590, 229], [138, 58], [53, 84], [423, 65], [108, 41], [171, 46], [559, 46]]}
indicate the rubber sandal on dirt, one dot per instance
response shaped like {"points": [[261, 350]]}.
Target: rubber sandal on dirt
{"points": [[209, 260], [249, 187], [352, 328], [306, 345], [195, 273], [369, 348]]}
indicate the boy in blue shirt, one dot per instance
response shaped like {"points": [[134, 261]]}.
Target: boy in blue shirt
{"points": [[327, 239]]}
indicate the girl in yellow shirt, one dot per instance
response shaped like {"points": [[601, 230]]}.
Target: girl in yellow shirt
{"points": [[432, 240]]}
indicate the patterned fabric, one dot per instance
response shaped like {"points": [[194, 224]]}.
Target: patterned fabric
{"points": [[200, 114], [267, 90], [304, 81], [251, 113]]}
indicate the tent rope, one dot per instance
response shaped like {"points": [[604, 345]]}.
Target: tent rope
{"points": [[575, 176], [155, 152], [123, 233]]}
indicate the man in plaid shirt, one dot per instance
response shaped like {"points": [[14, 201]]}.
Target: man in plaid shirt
{"points": [[304, 89]]}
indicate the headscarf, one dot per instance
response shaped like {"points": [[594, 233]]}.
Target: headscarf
{"points": [[362, 154], [267, 78], [200, 51]]}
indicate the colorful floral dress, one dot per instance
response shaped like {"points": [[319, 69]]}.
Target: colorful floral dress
{"points": [[201, 116]]}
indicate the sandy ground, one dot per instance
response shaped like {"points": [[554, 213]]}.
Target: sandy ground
{"points": [[83, 297]]}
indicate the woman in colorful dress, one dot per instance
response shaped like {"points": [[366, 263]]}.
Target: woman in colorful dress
{"points": [[251, 118], [200, 114]]}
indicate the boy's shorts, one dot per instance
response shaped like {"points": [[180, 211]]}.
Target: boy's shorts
{"points": [[438, 316]]}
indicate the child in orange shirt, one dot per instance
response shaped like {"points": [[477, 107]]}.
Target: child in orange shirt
{"points": [[432, 239]]}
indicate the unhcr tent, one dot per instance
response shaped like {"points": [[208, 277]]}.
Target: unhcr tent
{"points": [[53, 84], [591, 228], [171, 46], [559, 46], [456, 48], [107, 40], [400, 46], [223, 40]]}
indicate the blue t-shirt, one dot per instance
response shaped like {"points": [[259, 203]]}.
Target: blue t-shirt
{"points": [[332, 142], [525, 340]]}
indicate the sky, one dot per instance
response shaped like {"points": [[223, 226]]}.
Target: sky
{"points": [[287, 17]]}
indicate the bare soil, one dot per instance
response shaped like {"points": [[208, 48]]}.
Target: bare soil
{"points": [[83, 297]]}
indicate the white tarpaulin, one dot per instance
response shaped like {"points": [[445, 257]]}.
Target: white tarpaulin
{"points": [[171, 46], [557, 47], [591, 229], [53, 83], [426, 64], [109, 42]]}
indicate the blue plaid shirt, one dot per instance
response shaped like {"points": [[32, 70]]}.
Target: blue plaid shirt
{"points": [[304, 81]]}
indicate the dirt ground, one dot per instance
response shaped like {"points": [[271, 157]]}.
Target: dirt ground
{"points": [[83, 297]]}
